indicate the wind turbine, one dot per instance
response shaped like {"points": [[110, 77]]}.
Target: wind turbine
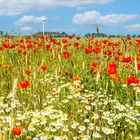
{"points": [[43, 25]]}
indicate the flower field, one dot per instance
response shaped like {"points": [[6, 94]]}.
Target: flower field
{"points": [[69, 88]]}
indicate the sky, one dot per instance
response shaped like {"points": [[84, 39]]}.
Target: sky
{"points": [[71, 16]]}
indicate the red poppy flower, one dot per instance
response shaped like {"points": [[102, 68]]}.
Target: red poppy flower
{"points": [[57, 43], [94, 65], [19, 50], [77, 78], [24, 84], [44, 67], [127, 59], [76, 44], [95, 68], [111, 71], [66, 54], [70, 36], [130, 43], [105, 41], [28, 72], [132, 80], [138, 65], [35, 51], [17, 130], [109, 52], [112, 65], [48, 47], [88, 51], [128, 38], [64, 40], [8, 66], [97, 50], [116, 57], [119, 52]]}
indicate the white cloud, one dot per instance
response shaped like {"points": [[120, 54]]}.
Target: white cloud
{"points": [[30, 19], [133, 28], [95, 18], [16, 7], [26, 29], [81, 8]]}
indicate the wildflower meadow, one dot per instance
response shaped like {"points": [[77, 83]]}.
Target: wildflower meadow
{"points": [[69, 88]]}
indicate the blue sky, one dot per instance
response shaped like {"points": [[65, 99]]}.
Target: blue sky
{"points": [[71, 16]]}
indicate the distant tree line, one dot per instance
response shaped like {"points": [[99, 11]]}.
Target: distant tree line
{"points": [[53, 34], [105, 35], [95, 35], [64, 34], [1, 33]]}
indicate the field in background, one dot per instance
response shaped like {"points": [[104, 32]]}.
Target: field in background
{"points": [[69, 88]]}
